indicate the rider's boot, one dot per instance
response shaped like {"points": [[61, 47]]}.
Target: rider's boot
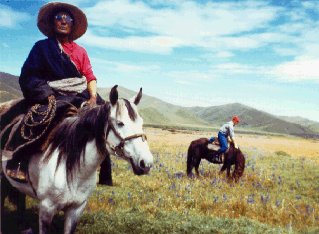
{"points": [[105, 176], [211, 140]]}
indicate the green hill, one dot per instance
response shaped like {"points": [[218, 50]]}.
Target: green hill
{"points": [[251, 119], [314, 126], [157, 112], [10, 88]]}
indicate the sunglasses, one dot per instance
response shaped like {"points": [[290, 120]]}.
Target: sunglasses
{"points": [[67, 18]]}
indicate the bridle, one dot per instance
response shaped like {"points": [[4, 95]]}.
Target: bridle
{"points": [[119, 149]]}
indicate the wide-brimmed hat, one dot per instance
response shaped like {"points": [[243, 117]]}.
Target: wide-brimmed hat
{"points": [[45, 19]]}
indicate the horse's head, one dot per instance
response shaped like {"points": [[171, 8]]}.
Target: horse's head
{"points": [[240, 164], [125, 136]]}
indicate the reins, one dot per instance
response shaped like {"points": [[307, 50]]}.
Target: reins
{"points": [[119, 149]]}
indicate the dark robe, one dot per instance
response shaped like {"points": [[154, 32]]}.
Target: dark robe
{"points": [[47, 62]]}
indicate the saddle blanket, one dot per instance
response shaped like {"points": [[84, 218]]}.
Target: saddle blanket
{"points": [[215, 147]]}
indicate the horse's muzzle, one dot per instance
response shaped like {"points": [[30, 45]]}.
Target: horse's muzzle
{"points": [[141, 169]]}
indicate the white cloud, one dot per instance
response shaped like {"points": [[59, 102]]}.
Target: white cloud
{"points": [[224, 54], [298, 70], [124, 67], [303, 69], [10, 18], [191, 76], [220, 29], [184, 23], [240, 69], [150, 44]]}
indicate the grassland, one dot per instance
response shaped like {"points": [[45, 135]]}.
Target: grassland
{"points": [[279, 192]]}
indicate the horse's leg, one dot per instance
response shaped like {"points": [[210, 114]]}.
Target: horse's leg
{"points": [[72, 216], [235, 173], [189, 170], [4, 190], [223, 168], [105, 176], [18, 199], [228, 171], [197, 162], [239, 166], [47, 211], [4, 194], [189, 164], [21, 207]]}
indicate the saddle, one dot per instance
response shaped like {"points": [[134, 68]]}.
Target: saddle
{"points": [[24, 130], [215, 146]]}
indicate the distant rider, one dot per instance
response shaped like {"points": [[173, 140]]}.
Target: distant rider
{"points": [[227, 130]]}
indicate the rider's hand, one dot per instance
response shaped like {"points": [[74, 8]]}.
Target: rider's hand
{"points": [[236, 146], [92, 101]]}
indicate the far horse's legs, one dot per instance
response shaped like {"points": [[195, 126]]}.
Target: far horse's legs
{"points": [[228, 171], [235, 173], [223, 169], [197, 165], [190, 169], [72, 216]]}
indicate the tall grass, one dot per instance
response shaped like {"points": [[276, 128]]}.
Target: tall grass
{"points": [[279, 193]]}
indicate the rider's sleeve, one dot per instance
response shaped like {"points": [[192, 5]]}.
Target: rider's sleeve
{"points": [[86, 67], [33, 85], [231, 132]]}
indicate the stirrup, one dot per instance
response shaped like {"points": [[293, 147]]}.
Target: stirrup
{"points": [[220, 158], [17, 175]]}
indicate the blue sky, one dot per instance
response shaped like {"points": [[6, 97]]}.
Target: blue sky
{"points": [[264, 54]]}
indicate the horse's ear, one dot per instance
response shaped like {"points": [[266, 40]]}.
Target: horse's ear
{"points": [[138, 97], [114, 96]]}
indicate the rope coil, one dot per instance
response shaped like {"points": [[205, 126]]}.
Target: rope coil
{"points": [[29, 123]]}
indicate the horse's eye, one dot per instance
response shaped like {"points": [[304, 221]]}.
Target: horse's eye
{"points": [[120, 124]]}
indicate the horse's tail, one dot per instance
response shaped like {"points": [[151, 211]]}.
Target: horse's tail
{"points": [[239, 165], [190, 155]]}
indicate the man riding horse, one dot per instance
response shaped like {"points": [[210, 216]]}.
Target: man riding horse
{"points": [[225, 132], [57, 74]]}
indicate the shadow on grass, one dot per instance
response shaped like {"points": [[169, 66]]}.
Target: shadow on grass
{"points": [[10, 222]]}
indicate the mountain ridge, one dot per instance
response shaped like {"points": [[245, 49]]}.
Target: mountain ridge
{"points": [[157, 112]]}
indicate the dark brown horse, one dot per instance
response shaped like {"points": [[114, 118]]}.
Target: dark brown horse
{"points": [[198, 150]]}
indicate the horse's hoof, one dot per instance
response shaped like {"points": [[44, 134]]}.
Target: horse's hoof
{"points": [[191, 176]]}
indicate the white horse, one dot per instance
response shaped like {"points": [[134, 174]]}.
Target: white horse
{"points": [[63, 176]]}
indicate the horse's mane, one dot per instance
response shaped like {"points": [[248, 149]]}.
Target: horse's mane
{"points": [[72, 135]]}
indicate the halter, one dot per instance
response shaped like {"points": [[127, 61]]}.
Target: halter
{"points": [[119, 149]]}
